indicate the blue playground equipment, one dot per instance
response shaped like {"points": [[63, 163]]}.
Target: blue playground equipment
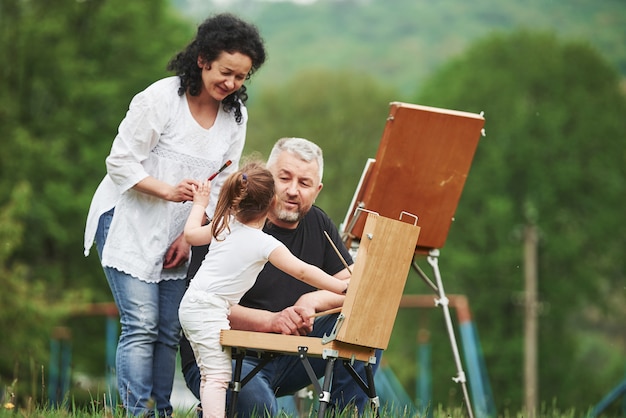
{"points": [[59, 370], [612, 396]]}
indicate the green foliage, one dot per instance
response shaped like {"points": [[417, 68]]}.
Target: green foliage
{"points": [[71, 69], [554, 148], [27, 316], [343, 112], [403, 42], [75, 66]]}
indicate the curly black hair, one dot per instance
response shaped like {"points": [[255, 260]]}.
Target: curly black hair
{"points": [[219, 33]]}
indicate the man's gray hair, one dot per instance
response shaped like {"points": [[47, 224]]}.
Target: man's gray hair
{"points": [[301, 148]]}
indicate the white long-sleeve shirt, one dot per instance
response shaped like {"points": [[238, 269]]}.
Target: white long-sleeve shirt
{"points": [[160, 138]]}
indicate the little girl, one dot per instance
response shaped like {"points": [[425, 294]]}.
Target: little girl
{"points": [[237, 253]]}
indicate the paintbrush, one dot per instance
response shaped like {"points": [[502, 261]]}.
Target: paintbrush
{"points": [[226, 164], [328, 312], [222, 168], [338, 253]]}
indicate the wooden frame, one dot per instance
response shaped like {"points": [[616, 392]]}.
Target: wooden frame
{"points": [[421, 166], [366, 318]]}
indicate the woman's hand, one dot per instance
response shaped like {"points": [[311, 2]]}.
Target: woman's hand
{"points": [[182, 192], [177, 254]]}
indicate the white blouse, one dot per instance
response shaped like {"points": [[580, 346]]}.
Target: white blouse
{"points": [[160, 138]]}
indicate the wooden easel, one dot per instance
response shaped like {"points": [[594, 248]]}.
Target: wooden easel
{"points": [[421, 166], [364, 323]]}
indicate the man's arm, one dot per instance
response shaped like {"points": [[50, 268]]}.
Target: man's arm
{"points": [[323, 300], [295, 320]]}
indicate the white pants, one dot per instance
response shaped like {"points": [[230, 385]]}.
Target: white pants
{"points": [[202, 316]]}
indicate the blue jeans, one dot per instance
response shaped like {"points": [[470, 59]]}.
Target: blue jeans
{"points": [[285, 375], [146, 351]]}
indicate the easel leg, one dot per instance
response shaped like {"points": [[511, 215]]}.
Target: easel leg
{"points": [[433, 260], [323, 391], [374, 401], [235, 385], [369, 388], [237, 381], [324, 396]]}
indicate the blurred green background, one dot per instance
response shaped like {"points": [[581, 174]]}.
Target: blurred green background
{"points": [[549, 76]]}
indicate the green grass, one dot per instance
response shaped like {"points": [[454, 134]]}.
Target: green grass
{"points": [[98, 406], [6, 411]]}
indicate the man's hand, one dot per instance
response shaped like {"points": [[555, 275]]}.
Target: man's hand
{"points": [[295, 320], [177, 254]]}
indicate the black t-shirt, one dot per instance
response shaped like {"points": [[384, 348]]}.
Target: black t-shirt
{"points": [[275, 290]]}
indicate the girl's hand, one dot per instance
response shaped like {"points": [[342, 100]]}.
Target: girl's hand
{"points": [[201, 193]]}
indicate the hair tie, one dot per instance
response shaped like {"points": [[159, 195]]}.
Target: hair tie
{"points": [[244, 176]]}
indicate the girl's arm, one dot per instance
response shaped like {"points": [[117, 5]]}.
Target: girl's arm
{"points": [[290, 321], [284, 260], [195, 232]]}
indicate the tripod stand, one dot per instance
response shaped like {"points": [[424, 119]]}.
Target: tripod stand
{"points": [[421, 166]]}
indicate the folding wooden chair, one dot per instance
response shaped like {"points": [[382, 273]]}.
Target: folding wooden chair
{"points": [[364, 324]]}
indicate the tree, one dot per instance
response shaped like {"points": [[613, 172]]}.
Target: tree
{"points": [[71, 69], [343, 112], [554, 153]]}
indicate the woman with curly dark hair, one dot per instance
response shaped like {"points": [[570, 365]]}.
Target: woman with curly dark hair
{"points": [[176, 133]]}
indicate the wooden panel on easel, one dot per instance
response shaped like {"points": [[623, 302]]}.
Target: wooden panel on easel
{"points": [[380, 272], [421, 166]]}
